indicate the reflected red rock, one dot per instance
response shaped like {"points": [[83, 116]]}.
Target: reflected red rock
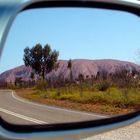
{"points": [[87, 68]]}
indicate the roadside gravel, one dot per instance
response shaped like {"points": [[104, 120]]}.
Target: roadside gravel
{"points": [[131, 132]]}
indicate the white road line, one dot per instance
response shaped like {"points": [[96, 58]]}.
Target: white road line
{"points": [[22, 116], [54, 108]]}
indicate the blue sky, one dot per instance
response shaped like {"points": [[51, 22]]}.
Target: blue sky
{"points": [[77, 33]]}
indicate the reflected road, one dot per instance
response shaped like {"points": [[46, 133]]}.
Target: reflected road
{"points": [[20, 111]]}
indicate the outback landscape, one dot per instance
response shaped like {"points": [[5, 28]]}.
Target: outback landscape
{"points": [[103, 86]]}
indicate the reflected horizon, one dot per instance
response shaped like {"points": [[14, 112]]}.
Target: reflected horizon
{"points": [[70, 65]]}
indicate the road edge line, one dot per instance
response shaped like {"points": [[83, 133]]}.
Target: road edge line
{"points": [[22, 116]]}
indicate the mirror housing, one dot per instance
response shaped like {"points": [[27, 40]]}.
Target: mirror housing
{"points": [[74, 130]]}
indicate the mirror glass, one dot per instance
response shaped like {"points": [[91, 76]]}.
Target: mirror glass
{"points": [[70, 65]]}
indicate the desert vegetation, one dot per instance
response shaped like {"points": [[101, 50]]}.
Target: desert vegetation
{"points": [[107, 93], [106, 96]]}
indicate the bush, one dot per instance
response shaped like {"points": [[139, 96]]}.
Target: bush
{"points": [[42, 84], [103, 85], [11, 86]]}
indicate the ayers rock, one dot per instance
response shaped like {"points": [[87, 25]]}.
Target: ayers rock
{"points": [[79, 66]]}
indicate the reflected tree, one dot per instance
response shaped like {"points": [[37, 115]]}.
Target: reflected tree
{"points": [[42, 59], [70, 67], [81, 80]]}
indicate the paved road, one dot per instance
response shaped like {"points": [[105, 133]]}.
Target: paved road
{"points": [[20, 111]]}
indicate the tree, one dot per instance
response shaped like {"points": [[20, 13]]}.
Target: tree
{"points": [[70, 67], [42, 60], [18, 81], [32, 77], [81, 80]]}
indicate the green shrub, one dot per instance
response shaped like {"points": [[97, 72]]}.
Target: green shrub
{"points": [[11, 86], [67, 97], [103, 85], [42, 84]]}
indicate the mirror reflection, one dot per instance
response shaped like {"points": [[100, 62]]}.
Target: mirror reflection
{"points": [[70, 65]]}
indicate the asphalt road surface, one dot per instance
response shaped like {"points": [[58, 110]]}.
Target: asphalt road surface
{"points": [[20, 111]]}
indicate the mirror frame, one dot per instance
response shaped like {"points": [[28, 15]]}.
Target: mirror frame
{"points": [[8, 12]]}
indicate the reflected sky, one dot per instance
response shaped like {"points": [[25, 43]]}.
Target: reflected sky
{"points": [[77, 33]]}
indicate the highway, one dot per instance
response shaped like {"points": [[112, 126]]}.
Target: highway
{"points": [[17, 110]]}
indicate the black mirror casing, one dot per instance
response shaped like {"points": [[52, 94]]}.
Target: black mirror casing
{"points": [[73, 130]]}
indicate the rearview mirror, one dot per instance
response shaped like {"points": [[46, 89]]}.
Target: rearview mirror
{"points": [[69, 65]]}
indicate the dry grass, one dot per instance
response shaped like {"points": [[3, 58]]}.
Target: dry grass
{"points": [[69, 102]]}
